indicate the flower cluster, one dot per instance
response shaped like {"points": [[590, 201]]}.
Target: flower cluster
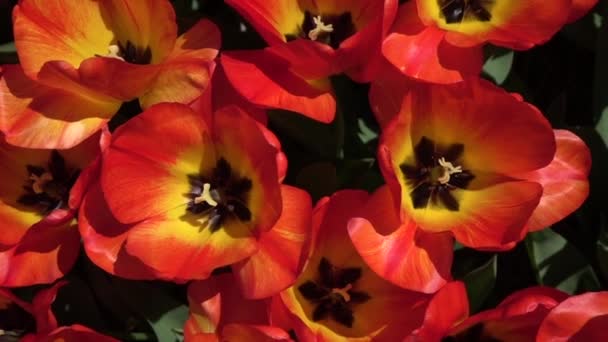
{"points": [[149, 148]]}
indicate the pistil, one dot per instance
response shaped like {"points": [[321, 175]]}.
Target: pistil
{"points": [[343, 292], [448, 169], [40, 181], [205, 196], [320, 28]]}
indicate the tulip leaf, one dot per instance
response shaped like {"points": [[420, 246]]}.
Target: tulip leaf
{"points": [[480, 283], [153, 301], [498, 64], [560, 264], [602, 126]]}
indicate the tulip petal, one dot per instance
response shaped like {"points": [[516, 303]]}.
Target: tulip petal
{"points": [[66, 118], [185, 74], [564, 181], [579, 318], [281, 253], [265, 80], [60, 31], [421, 52]]}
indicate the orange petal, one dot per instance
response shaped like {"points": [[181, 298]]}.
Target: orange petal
{"points": [[58, 30], [578, 318], [143, 23], [186, 72], [179, 250], [266, 80], [66, 118], [281, 252], [564, 181], [46, 252]]}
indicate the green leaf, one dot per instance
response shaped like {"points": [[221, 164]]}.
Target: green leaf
{"points": [[498, 64], [602, 247], [559, 264], [602, 126], [8, 48], [153, 300], [480, 283]]}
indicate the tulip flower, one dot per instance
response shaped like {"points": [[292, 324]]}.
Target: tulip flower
{"points": [[461, 158], [338, 297], [441, 41], [309, 41], [81, 60], [206, 195], [38, 200]]}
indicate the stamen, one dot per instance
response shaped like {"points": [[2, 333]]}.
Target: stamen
{"points": [[448, 169], [40, 181], [205, 196], [343, 292], [320, 27], [113, 52]]}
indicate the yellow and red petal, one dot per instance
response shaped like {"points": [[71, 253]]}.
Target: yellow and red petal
{"points": [[273, 19], [186, 72], [104, 238], [176, 248], [67, 116], [253, 333], [578, 318], [154, 171], [564, 181], [281, 253], [403, 255], [421, 51], [60, 31], [266, 80], [46, 252], [508, 23]]}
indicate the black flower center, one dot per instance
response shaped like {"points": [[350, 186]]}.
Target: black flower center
{"points": [[14, 322], [219, 196], [333, 293], [435, 174], [134, 54], [328, 29], [457, 11], [48, 188]]}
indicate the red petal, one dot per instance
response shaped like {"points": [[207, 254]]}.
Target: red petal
{"points": [[421, 51], [281, 252], [579, 318], [266, 80], [564, 181]]}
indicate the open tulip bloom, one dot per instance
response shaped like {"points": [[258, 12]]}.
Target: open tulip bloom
{"points": [[473, 160], [441, 41], [75, 73], [179, 197]]}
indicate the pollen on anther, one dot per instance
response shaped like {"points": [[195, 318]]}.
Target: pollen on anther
{"points": [[39, 181]]}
